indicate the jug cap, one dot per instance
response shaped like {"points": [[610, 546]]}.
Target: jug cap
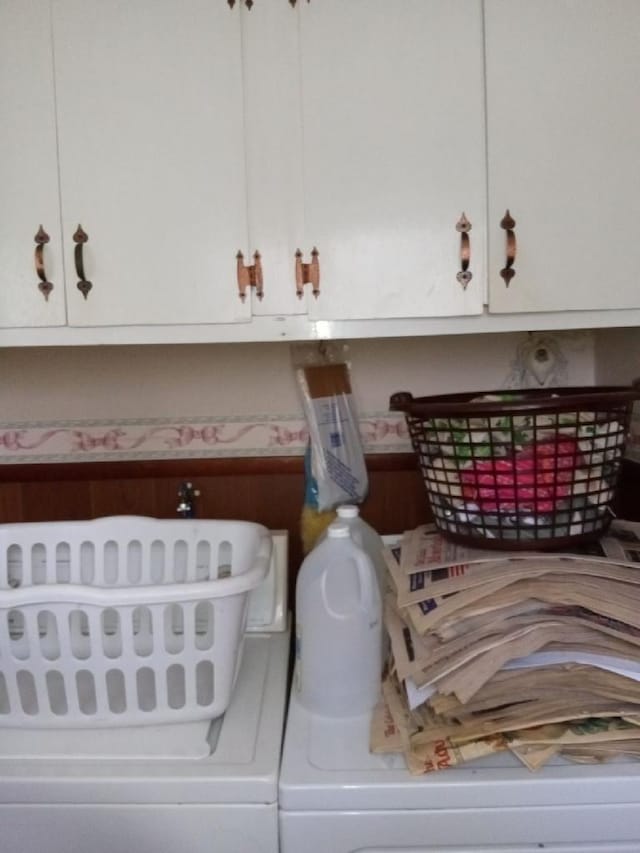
{"points": [[348, 511]]}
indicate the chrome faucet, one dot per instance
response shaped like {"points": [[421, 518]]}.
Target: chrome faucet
{"points": [[187, 495]]}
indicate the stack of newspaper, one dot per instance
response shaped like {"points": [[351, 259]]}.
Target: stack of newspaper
{"points": [[534, 652]]}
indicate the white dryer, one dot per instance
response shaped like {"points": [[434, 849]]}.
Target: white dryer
{"points": [[335, 796], [155, 795]]}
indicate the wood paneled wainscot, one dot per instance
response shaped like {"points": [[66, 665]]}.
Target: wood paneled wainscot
{"points": [[266, 490]]}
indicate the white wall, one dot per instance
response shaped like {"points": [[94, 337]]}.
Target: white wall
{"points": [[114, 403], [617, 356], [243, 379], [617, 362]]}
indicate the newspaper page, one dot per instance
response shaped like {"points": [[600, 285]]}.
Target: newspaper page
{"points": [[535, 652], [424, 548], [384, 736]]}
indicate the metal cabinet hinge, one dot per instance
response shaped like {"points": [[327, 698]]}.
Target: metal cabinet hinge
{"points": [[308, 273], [249, 276]]}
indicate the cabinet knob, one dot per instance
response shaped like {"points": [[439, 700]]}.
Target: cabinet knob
{"points": [[80, 238], [249, 276], [508, 223], [308, 273], [44, 286], [463, 226]]}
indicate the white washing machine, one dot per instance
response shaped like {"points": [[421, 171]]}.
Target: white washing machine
{"points": [[335, 796], [160, 794]]}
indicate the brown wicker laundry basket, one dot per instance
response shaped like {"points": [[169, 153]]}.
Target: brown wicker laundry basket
{"points": [[521, 469]]}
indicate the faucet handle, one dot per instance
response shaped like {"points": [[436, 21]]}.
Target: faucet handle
{"points": [[186, 496], [186, 489]]}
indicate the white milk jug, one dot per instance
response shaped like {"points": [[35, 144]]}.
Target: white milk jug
{"points": [[367, 538], [338, 628]]}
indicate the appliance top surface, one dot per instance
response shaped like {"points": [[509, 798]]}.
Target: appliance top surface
{"points": [[242, 766], [327, 765]]}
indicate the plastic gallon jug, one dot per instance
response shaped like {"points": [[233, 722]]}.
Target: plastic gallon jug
{"points": [[367, 538], [338, 628]]}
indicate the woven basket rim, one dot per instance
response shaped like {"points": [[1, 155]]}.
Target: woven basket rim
{"points": [[566, 399]]}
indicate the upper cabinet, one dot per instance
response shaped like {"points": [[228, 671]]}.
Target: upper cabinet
{"points": [[152, 166], [563, 115], [31, 273], [180, 155], [394, 155]]}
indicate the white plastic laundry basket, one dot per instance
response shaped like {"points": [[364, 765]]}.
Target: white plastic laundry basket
{"points": [[123, 620]]}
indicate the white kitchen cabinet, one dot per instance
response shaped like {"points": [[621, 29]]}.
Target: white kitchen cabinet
{"points": [[394, 154], [28, 168], [152, 162], [273, 144], [177, 134], [563, 117]]}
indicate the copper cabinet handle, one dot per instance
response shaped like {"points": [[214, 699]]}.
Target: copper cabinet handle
{"points": [[80, 238], [463, 226], [508, 223], [308, 273], [249, 276], [44, 286]]}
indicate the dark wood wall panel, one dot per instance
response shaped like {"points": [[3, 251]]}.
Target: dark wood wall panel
{"points": [[11, 509], [57, 501], [123, 497], [266, 490]]}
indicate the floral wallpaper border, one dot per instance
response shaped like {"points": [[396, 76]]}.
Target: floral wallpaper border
{"points": [[181, 438], [196, 437]]}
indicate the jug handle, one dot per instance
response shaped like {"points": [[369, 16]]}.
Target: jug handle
{"points": [[367, 580]]}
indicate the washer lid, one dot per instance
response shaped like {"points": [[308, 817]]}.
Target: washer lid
{"points": [[327, 765], [242, 766]]}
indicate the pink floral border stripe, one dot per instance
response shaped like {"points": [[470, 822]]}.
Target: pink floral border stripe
{"points": [[200, 437], [165, 438]]}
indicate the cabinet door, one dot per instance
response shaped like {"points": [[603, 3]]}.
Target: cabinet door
{"points": [[274, 150], [150, 112], [563, 112], [28, 167], [393, 126]]}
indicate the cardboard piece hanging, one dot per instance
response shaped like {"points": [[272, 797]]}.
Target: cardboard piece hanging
{"points": [[337, 459]]}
